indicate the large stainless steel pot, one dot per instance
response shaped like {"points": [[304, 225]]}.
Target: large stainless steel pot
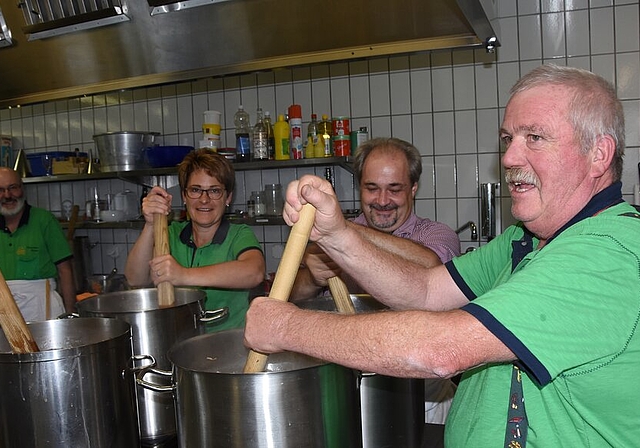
{"points": [[124, 151], [105, 283], [78, 391], [297, 402], [154, 331], [392, 409]]}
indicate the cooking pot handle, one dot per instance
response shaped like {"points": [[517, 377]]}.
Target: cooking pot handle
{"points": [[68, 316], [134, 358], [214, 315], [151, 386]]}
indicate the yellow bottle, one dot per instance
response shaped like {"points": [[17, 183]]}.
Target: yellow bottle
{"points": [[281, 136], [319, 147], [309, 149]]}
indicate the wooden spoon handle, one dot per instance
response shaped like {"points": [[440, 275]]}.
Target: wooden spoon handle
{"points": [[166, 293], [286, 274], [341, 296], [13, 324]]}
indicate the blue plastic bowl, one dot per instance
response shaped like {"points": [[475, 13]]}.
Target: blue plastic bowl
{"points": [[166, 156]]}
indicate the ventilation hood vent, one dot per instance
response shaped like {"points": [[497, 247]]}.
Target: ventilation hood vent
{"points": [[222, 37], [165, 6], [5, 33]]}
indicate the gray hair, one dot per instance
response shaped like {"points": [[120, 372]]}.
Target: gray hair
{"points": [[414, 160], [594, 110]]}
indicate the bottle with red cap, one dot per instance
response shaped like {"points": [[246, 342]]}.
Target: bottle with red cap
{"points": [[296, 142]]}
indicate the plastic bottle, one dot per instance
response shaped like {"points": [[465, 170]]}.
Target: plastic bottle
{"points": [[271, 142], [243, 144], [295, 123], [325, 129], [260, 145], [312, 138], [281, 137]]}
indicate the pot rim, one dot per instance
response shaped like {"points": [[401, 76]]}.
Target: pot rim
{"points": [[120, 328], [87, 305], [126, 132], [179, 347]]}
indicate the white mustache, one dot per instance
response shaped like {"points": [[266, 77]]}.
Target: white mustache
{"points": [[518, 175]]}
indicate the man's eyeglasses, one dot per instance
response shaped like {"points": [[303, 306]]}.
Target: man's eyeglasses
{"points": [[196, 193], [11, 188]]}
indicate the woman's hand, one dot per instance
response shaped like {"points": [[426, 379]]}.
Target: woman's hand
{"points": [[166, 269], [157, 201]]}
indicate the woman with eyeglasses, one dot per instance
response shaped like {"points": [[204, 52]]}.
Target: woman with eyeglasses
{"points": [[206, 251]]}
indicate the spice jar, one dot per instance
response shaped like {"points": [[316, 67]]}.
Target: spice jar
{"points": [[258, 199], [273, 199]]}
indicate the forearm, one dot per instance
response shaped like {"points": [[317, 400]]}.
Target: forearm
{"points": [[415, 344], [304, 286], [67, 286], [406, 248], [137, 266], [386, 272], [236, 274]]}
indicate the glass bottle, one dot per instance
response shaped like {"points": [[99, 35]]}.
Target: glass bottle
{"points": [[260, 144], [243, 144], [312, 137], [325, 130], [271, 141]]}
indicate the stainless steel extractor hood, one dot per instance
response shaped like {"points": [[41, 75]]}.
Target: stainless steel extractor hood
{"points": [[224, 37]]}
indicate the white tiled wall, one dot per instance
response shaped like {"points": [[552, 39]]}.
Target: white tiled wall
{"points": [[448, 103]]}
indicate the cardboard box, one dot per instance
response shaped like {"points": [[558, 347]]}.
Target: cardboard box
{"points": [[71, 165]]}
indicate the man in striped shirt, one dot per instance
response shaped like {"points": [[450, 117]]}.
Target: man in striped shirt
{"points": [[388, 172]]}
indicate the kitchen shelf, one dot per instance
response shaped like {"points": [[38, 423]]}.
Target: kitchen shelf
{"points": [[235, 219], [140, 176]]}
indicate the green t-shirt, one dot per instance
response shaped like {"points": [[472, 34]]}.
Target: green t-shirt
{"points": [[570, 313], [228, 243], [34, 249]]}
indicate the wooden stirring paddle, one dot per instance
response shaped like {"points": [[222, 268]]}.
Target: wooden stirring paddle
{"points": [[286, 274], [341, 296], [166, 293], [13, 325]]}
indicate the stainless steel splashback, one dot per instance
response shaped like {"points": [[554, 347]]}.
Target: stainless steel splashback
{"points": [[233, 36]]}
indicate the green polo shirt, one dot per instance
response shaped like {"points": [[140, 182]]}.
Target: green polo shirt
{"points": [[570, 313], [34, 249], [227, 244]]}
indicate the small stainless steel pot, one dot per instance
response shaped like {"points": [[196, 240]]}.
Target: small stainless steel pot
{"points": [[155, 330]]}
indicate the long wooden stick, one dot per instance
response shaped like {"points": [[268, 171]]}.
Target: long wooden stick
{"points": [[13, 324], [47, 299], [286, 274], [341, 296], [166, 293]]}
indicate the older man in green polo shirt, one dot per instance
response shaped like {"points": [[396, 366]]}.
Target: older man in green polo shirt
{"points": [[34, 250]]}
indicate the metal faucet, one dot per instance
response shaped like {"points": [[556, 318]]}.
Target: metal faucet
{"points": [[472, 227]]}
